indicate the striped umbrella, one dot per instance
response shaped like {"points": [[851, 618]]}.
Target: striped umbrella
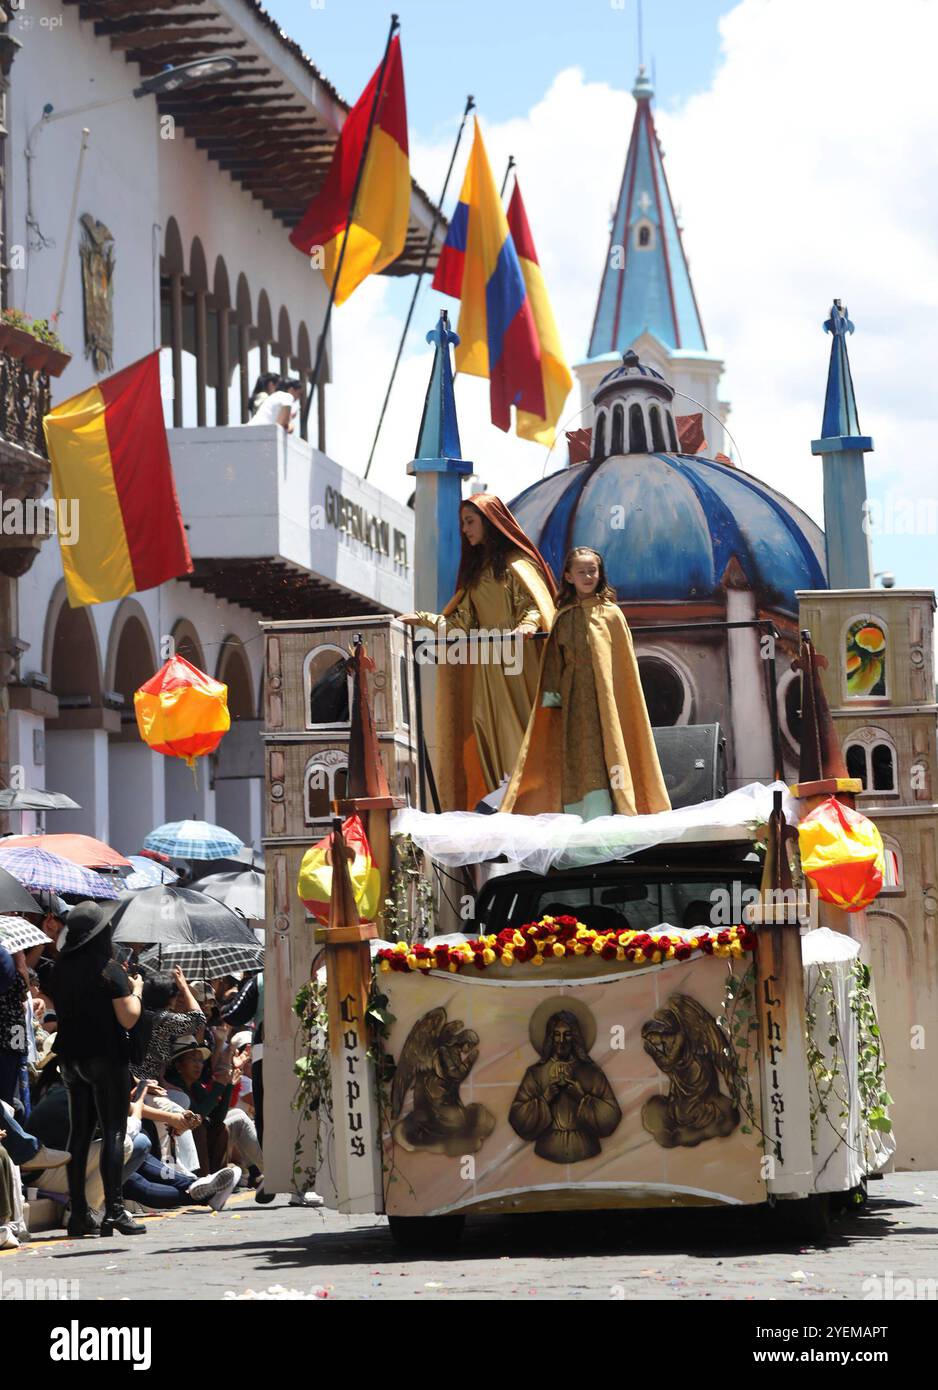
{"points": [[36, 868], [16, 934], [205, 962], [147, 873], [193, 839]]}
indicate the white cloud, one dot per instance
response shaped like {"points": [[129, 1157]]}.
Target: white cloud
{"points": [[807, 170]]}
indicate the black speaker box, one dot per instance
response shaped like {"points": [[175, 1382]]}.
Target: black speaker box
{"points": [[693, 761]]}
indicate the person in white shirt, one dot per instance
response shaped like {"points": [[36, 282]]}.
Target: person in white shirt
{"points": [[280, 406]]}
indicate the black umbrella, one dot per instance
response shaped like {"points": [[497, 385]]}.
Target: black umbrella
{"points": [[167, 914], [14, 897], [243, 893]]}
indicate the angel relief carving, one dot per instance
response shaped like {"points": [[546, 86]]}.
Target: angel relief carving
{"points": [[688, 1046], [436, 1058]]}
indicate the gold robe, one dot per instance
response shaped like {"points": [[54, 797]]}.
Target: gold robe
{"points": [[599, 738], [482, 710]]}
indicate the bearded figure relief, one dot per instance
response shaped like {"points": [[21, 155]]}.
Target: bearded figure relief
{"points": [[435, 1060], [564, 1103], [687, 1045]]}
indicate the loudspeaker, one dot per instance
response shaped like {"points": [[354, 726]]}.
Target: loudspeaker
{"points": [[693, 762]]}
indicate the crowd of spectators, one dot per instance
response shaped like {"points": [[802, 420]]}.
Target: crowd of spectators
{"points": [[123, 1091]]}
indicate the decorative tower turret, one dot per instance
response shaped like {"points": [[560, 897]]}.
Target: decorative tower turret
{"points": [[439, 471], [842, 447], [646, 297]]}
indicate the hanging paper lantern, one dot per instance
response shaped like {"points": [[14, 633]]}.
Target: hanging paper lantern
{"points": [[842, 855], [314, 884], [181, 711]]}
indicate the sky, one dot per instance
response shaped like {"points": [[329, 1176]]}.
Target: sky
{"points": [[801, 144]]}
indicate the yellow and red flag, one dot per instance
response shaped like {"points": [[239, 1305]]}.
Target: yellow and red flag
{"points": [[110, 462], [377, 225], [555, 373]]}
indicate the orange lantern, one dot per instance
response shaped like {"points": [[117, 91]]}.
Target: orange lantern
{"points": [[181, 711], [842, 855]]}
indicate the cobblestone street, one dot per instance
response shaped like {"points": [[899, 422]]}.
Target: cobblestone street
{"points": [[685, 1255]]}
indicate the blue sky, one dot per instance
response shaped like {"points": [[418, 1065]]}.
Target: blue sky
{"points": [[794, 187], [505, 52]]}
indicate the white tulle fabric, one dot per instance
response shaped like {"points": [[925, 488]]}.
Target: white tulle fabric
{"points": [[539, 843]]}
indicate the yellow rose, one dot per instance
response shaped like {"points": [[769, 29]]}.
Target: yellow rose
{"points": [[537, 960], [639, 956], [557, 948], [517, 939], [579, 948], [620, 953], [401, 948], [507, 958], [385, 965], [488, 955], [598, 943], [453, 967]]}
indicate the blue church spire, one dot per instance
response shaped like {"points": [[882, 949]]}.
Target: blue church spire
{"points": [[842, 446], [439, 471], [646, 282]]}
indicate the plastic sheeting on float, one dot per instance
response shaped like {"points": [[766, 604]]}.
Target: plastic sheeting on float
{"points": [[540, 843]]}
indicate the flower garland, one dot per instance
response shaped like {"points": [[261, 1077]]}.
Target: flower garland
{"points": [[557, 937]]}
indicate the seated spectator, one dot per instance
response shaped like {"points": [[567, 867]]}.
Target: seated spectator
{"points": [[10, 1199], [14, 1038], [171, 1010], [24, 1147], [156, 1184]]}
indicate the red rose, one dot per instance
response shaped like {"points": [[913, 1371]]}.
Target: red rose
{"points": [[478, 962], [608, 952]]}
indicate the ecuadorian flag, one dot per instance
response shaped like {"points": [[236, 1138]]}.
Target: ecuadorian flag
{"points": [[479, 265], [110, 462], [555, 374], [377, 225]]}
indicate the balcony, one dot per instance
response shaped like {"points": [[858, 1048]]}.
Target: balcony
{"points": [[279, 528], [24, 463]]}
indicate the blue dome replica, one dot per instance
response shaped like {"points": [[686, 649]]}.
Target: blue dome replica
{"points": [[668, 524]]}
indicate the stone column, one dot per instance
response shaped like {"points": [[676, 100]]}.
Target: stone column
{"points": [[136, 793]]}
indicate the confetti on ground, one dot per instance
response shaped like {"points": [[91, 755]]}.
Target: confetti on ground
{"points": [[279, 1292]]}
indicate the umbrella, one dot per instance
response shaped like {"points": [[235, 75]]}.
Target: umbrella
{"points": [[36, 868], [193, 839], [18, 935], [205, 962], [147, 873], [13, 896], [242, 892], [183, 916], [32, 799], [83, 850]]}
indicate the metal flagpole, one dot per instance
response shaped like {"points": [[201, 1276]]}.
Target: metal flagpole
{"points": [[321, 345], [470, 104], [508, 168]]}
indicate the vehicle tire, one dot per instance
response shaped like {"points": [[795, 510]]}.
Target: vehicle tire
{"points": [[805, 1218], [426, 1232]]}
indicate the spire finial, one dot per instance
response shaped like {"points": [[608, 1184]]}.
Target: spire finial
{"points": [[643, 90], [439, 429]]}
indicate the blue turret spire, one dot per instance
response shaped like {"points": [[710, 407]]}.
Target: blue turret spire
{"points": [[646, 282], [846, 529], [439, 471]]}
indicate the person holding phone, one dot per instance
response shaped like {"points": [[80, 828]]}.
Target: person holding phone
{"points": [[97, 1004]]}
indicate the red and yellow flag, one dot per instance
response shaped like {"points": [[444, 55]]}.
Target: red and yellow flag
{"points": [[555, 373], [111, 465], [378, 227]]}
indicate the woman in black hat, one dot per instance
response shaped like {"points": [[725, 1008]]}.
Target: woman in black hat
{"points": [[97, 1003]]}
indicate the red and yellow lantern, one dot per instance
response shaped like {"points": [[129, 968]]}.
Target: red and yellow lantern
{"points": [[181, 711], [842, 855]]}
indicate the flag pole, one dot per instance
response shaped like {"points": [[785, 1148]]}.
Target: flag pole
{"points": [[321, 344], [470, 105], [508, 168]]}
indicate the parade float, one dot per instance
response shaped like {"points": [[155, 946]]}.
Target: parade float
{"points": [[640, 1011]]}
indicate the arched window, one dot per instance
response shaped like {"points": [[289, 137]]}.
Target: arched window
{"points": [[657, 434], [865, 658], [893, 878], [870, 754], [328, 687], [666, 694], [599, 438], [325, 781], [618, 430], [644, 239], [672, 432], [638, 441]]}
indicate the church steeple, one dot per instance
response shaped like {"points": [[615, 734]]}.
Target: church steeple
{"points": [[646, 283]]}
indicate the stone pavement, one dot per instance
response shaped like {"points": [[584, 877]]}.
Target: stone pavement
{"points": [[699, 1254]]}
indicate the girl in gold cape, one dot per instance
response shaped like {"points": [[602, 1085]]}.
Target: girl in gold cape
{"points": [[504, 584], [589, 749]]}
